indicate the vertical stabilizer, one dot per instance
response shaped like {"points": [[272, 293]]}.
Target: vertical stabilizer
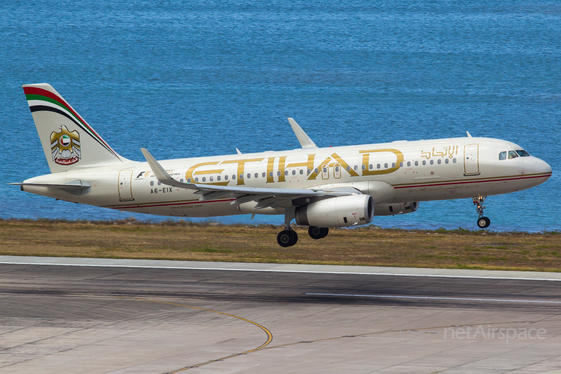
{"points": [[68, 141]]}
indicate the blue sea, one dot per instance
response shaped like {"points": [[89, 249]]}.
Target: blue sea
{"points": [[195, 78]]}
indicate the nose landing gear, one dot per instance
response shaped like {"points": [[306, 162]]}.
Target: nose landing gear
{"points": [[482, 222]]}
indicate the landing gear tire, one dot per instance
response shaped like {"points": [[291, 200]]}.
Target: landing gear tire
{"points": [[483, 222], [318, 232], [287, 238]]}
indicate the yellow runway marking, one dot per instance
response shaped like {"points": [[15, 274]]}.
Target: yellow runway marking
{"points": [[269, 334]]}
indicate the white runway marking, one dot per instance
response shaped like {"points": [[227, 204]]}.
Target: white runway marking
{"points": [[436, 298], [283, 268]]}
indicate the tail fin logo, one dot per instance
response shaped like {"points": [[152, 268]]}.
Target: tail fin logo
{"points": [[65, 146]]}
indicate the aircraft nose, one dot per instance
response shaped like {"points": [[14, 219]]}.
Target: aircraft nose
{"points": [[542, 167]]}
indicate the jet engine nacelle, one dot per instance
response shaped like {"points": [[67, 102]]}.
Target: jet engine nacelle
{"points": [[337, 212], [397, 208]]}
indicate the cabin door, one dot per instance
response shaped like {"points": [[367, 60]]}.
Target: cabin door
{"points": [[471, 159]]}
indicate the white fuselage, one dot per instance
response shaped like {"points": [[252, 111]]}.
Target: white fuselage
{"points": [[418, 171]]}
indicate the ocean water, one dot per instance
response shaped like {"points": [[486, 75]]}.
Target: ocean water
{"points": [[200, 78]]}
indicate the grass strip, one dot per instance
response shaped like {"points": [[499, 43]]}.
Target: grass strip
{"points": [[370, 245]]}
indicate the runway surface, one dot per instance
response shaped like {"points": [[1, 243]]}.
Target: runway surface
{"points": [[117, 316]]}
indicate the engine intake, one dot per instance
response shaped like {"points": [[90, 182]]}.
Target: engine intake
{"points": [[341, 211]]}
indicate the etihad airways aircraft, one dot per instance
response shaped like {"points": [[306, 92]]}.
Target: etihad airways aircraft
{"points": [[316, 187]]}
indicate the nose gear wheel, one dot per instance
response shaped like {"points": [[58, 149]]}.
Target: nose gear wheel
{"points": [[482, 222]]}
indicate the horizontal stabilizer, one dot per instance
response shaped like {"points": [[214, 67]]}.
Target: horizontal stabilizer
{"points": [[74, 185]]}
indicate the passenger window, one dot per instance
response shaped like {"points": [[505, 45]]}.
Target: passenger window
{"points": [[378, 166], [363, 167], [408, 163], [454, 160], [432, 162], [211, 179], [439, 161], [424, 162], [416, 163], [286, 172], [271, 174], [241, 176], [248, 175], [204, 179], [447, 160], [512, 154], [225, 177], [151, 183], [234, 177], [197, 179], [356, 167], [386, 165], [348, 168], [256, 175], [218, 178], [502, 156], [301, 171], [336, 169], [401, 164], [293, 172], [393, 164], [264, 174], [371, 166], [278, 173], [188, 180]]}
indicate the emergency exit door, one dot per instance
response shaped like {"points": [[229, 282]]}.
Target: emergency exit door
{"points": [[125, 185]]}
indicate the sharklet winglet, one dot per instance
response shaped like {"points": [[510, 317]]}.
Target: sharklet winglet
{"points": [[303, 138]]}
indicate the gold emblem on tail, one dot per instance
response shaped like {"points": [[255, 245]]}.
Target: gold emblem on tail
{"points": [[65, 146]]}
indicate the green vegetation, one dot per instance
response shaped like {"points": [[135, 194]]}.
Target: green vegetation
{"points": [[370, 245]]}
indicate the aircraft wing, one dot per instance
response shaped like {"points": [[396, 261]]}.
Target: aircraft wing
{"points": [[266, 197]]}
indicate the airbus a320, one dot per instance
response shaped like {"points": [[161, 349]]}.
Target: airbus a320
{"points": [[316, 187]]}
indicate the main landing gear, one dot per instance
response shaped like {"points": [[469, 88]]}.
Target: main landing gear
{"points": [[482, 222], [289, 237], [318, 232]]}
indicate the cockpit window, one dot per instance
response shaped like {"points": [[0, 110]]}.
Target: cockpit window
{"points": [[522, 153], [512, 154], [502, 156]]}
